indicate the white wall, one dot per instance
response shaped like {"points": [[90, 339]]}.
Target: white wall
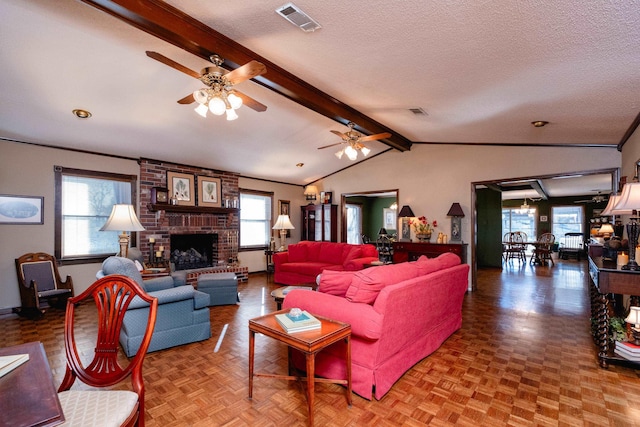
{"points": [[27, 170], [431, 177]]}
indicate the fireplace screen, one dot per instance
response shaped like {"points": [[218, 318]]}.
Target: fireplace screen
{"points": [[194, 250]]}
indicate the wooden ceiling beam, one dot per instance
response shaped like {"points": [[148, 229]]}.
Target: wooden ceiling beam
{"points": [[174, 26]]}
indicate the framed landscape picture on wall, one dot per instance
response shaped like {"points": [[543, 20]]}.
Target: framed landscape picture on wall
{"points": [[181, 186], [209, 192]]}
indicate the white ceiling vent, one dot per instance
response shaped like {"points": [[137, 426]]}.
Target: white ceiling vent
{"points": [[297, 17], [418, 111]]}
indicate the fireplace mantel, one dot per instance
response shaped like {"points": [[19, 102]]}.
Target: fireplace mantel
{"points": [[190, 209]]}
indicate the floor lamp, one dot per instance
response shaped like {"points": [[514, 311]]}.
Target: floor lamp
{"points": [[123, 218], [283, 224], [630, 200]]}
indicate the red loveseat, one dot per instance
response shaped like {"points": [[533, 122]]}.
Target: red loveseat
{"points": [[399, 314], [305, 260]]}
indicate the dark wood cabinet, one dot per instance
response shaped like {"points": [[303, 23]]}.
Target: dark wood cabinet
{"points": [[411, 251], [319, 223]]}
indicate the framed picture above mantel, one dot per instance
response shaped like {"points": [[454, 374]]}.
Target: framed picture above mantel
{"points": [[181, 187], [209, 192]]}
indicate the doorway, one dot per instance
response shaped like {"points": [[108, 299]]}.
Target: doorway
{"points": [[371, 208]]}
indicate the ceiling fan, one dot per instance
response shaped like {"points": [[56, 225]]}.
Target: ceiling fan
{"points": [[219, 96], [598, 198], [354, 141]]}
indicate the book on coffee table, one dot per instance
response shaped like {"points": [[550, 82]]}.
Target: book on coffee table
{"points": [[303, 322], [9, 363]]}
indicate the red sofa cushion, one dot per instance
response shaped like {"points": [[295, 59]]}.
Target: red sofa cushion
{"points": [[335, 282], [297, 253], [351, 252], [331, 253], [367, 284], [429, 265]]}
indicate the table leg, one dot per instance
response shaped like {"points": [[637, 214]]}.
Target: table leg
{"points": [[252, 340], [348, 360], [311, 362]]}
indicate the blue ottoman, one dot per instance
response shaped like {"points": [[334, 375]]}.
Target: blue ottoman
{"points": [[222, 287]]}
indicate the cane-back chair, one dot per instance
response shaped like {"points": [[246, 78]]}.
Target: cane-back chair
{"points": [[112, 295], [40, 284]]}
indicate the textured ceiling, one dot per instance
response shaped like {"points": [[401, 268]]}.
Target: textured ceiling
{"points": [[481, 70]]}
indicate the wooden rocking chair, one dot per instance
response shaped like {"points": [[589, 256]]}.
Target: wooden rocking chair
{"points": [[40, 284]]}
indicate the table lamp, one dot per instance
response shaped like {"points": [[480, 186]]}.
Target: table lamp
{"points": [[611, 211], [630, 200], [283, 224], [456, 214], [606, 230], [404, 214], [123, 218]]}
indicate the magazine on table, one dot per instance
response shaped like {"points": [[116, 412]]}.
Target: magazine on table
{"points": [[9, 363]]}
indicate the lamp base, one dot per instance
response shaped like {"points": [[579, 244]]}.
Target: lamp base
{"points": [[124, 244], [631, 266]]}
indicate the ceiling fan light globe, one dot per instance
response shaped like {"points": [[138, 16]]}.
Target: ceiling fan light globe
{"points": [[340, 153], [216, 106], [351, 153], [201, 96], [201, 109], [235, 101], [231, 114], [365, 151]]}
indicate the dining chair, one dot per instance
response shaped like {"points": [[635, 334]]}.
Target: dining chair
{"points": [[105, 407], [514, 245], [543, 250]]}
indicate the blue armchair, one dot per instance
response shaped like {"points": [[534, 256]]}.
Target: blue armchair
{"points": [[183, 312]]}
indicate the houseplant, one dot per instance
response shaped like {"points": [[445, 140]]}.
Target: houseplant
{"points": [[423, 228]]}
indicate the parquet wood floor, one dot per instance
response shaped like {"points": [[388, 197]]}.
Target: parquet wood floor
{"points": [[524, 357]]}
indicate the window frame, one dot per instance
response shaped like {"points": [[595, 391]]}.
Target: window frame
{"points": [[266, 194], [59, 172], [582, 223]]}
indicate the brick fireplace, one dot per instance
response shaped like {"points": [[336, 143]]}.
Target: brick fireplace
{"points": [[161, 224]]}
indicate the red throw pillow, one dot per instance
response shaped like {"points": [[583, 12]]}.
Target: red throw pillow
{"points": [[367, 284], [335, 282], [442, 261]]}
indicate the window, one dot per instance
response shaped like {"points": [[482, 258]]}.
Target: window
{"points": [[354, 224], [84, 200], [255, 219], [517, 219], [566, 219]]}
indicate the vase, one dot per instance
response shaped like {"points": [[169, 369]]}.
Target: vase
{"points": [[423, 237]]}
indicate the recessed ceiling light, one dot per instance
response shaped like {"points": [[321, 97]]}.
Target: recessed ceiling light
{"points": [[300, 165], [539, 123], [81, 114]]}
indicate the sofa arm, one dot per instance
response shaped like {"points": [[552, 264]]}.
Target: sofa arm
{"points": [[280, 258], [166, 296], [364, 320], [359, 263]]}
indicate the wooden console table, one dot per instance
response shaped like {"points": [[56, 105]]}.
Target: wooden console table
{"points": [[608, 284], [411, 251]]}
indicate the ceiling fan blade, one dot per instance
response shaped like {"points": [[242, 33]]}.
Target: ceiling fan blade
{"points": [[340, 134], [330, 145], [375, 137], [246, 72], [250, 102], [173, 64], [187, 99]]}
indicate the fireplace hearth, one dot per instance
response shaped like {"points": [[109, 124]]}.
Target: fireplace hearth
{"points": [[194, 250]]}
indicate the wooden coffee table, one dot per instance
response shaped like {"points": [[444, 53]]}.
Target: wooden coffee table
{"points": [[278, 294], [310, 343]]}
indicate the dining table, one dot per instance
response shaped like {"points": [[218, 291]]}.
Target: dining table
{"points": [[28, 396]]}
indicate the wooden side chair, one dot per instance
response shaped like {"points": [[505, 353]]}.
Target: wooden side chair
{"points": [[112, 295], [40, 284], [514, 246], [543, 249]]}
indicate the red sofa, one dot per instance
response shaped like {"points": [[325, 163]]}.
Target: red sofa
{"points": [[305, 260], [399, 314]]}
